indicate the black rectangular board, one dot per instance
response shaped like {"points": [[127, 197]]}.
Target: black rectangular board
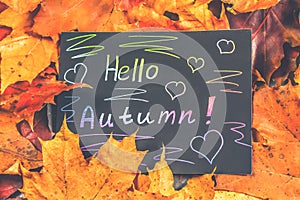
{"points": [[189, 92]]}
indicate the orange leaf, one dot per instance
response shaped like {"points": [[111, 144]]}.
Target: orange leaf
{"points": [[276, 114]]}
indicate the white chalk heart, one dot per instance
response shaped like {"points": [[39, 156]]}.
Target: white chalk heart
{"points": [[226, 46], [178, 93], [75, 70], [195, 63], [208, 143]]}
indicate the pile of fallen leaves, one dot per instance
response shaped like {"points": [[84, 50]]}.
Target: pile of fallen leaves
{"points": [[36, 164]]}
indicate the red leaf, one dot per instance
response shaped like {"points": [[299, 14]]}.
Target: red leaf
{"points": [[9, 184]]}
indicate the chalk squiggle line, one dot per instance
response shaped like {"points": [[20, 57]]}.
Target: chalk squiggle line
{"points": [[234, 73], [175, 150], [234, 129], [153, 48], [74, 47], [137, 137]]}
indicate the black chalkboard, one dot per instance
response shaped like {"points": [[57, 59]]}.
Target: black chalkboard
{"points": [[187, 91]]}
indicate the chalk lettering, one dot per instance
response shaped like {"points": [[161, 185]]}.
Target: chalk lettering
{"points": [[85, 119], [138, 71], [168, 114], [126, 117]]}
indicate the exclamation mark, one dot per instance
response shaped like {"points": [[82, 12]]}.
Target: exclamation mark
{"points": [[211, 101]]}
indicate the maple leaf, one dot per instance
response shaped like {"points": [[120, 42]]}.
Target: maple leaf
{"points": [[23, 57], [22, 6], [14, 147], [276, 114], [19, 23], [66, 174], [275, 149], [221, 195], [24, 98], [262, 184], [271, 29], [82, 15]]}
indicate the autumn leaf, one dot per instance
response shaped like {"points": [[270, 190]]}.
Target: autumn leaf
{"points": [[276, 114], [82, 15], [275, 149], [9, 184], [239, 6], [14, 147], [179, 15], [24, 98], [221, 195], [22, 6], [65, 172], [262, 184], [32, 57], [271, 29]]}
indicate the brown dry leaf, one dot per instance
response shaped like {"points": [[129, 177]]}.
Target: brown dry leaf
{"points": [[33, 54], [249, 5], [22, 6], [221, 195], [14, 147], [276, 114], [63, 15]]}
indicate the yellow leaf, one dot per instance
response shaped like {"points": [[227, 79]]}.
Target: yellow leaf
{"points": [[23, 57], [66, 174], [121, 156], [161, 178], [18, 22], [14, 147], [225, 195]]}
